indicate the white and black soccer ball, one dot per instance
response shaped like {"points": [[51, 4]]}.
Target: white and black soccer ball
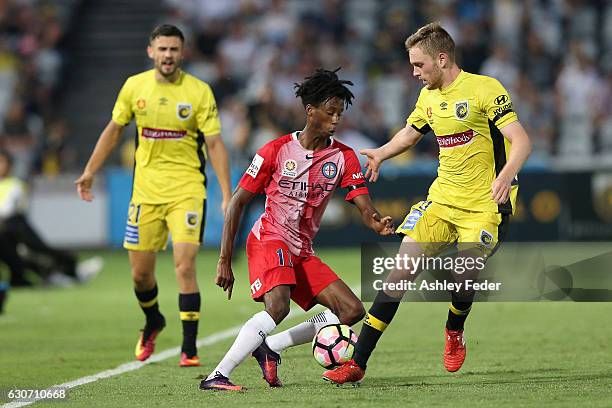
{"points": [[334, 345]]}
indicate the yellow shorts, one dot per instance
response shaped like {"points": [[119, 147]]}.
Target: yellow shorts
{"points": [[438, 226], [148, 225]]}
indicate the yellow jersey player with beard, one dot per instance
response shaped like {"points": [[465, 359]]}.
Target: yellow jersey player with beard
{"points": [[482, 148], [178, 129]]}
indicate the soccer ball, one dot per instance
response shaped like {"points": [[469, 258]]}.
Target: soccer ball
{"points": [[334, 345]]}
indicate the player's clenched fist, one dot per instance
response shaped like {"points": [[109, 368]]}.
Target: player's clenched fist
{"points": [[383, 226]]}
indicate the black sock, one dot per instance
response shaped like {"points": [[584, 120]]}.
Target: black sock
{"points": [[150, 306], [189, 306], [379, 316], [457, 313]]}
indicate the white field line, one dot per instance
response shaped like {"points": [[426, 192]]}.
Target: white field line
{"points": [[164, 355]]}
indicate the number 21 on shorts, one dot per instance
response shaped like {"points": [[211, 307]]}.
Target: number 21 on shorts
{"points": [[133, 214]]}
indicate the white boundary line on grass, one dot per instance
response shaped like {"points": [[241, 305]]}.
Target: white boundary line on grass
{"points": [[135, 365]]}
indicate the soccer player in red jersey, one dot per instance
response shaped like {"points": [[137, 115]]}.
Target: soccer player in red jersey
{"points": [[298, 172]]}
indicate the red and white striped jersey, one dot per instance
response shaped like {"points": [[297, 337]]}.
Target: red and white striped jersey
{"points": [[298, 185]]}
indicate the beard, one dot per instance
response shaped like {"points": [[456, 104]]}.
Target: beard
{"points": [[167, 71], [436, 82]]}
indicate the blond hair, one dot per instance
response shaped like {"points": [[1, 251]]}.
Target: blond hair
{"points": [[432, 39]]}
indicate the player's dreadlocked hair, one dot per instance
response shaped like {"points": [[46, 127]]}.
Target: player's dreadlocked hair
{"points": [[321, 86]]}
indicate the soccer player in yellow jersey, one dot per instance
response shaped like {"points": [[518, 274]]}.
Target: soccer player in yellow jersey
{"points": [[178, 129], [482, 148]]}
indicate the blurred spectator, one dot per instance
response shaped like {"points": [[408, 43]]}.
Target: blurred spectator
{"points": [[473, 49], [538, 64], [238, 48], [604, 117], [499, 65], [18, 137], [577, 96], [236, 129]]}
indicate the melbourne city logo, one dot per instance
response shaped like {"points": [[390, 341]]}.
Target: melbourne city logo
{"points": [[329, 170]]}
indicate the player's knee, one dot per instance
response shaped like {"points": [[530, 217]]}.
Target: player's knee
{"points": [[185, 269], [352, 313], [278, 310], [143, 279]]}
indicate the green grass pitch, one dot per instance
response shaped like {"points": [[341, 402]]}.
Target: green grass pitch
{"points": [[519, 354]]}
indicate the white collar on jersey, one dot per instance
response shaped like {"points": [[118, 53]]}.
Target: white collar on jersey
{"points": [[295, 135]]}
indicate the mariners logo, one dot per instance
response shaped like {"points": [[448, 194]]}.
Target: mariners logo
{"points": [[183, 110], [289, 168], [486, 238], [461, 110], [329, 170], [191, 219]]}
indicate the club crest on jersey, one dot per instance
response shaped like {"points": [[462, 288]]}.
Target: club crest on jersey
{"points": [[486, 238], [289, 168], [329, 170], [191, 219], [461, 110], [183, 110]]}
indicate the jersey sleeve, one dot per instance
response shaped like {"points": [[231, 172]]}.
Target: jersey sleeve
{"points": [[208, 114], [352, 178], [418, 117], [496, 104], [122, 111], [259, 173]]}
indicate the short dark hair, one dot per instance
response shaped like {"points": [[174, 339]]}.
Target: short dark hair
{"points": [[433, 39], [322, 86], [166, 30]]}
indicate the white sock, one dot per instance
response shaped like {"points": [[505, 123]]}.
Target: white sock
{"points": [[302, 333], [250, 337]]}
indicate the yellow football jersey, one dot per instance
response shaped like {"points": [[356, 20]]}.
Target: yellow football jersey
{"points": [[466, 117], [172, 121]]}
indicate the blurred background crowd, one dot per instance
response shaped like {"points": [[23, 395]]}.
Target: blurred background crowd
{"points": [[554, 56]]}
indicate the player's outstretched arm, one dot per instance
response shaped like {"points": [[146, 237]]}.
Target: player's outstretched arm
{"points": [[233, 214], [106, 143], [519, 152], [371, 217], [404, 139], [220, 162]]}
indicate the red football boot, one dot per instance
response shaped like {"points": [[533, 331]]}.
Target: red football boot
{"points": [[454, 351], [146, 342], [348, 372]]}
